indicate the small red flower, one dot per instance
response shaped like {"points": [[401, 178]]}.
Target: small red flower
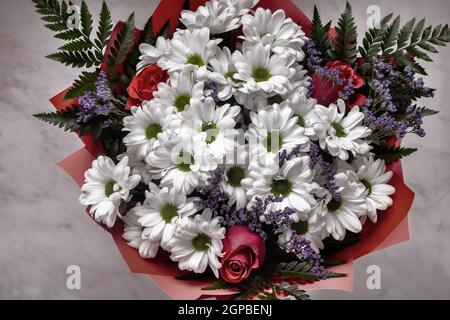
{"points": [[244, 251], [326, 91], [144, 84]]}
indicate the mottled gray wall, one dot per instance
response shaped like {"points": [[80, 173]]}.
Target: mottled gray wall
{"points": [[43, 229]]}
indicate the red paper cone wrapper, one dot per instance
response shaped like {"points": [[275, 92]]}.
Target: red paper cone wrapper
{"points": [[391, 228]]}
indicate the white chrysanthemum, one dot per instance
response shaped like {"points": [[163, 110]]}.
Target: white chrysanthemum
{"points": [[181, 90], [181, 162], [189, 48], [197, 243], [303, 108], [219, 16], [275, 129], [338, 133], [343, 214], [132, 233], [293, 181], [222, 72], [309, 226], [259, 70], [275, 30], [145, 124], [160, 212], [106, 184], [218, 124], [236, 166], [138, 166], [151, 54], [373, 175]]}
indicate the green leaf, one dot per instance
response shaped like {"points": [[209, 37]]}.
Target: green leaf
{"points": [[86, 20], [390, 36], [219, 284], [391, 154], [405, 34], [86, 82], [426, 112], [122, 43], [373, 38], [78, 59], [319, 32], [76, 45], [292, 289], [105, 26], [65, 119], [344, 44]]}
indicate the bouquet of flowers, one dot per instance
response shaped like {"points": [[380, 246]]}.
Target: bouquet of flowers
{"points": [[237, 148]]}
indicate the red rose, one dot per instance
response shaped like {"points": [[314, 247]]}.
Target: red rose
{"points": [[327, 91], [144, 84], [244, 251]]}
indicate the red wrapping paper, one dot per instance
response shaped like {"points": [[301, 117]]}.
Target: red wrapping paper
{"points": [[391, 228]]}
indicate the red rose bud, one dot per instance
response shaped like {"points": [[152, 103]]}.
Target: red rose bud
{"points": [[244, 251], [326, 90], [144, 84]]}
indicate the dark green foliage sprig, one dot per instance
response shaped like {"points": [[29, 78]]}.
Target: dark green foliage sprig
{"points": [[413, 39], [320, 32], [344, 43], [291, 289], [65, 119], [79, 50], [302, 270], [390, 154]]}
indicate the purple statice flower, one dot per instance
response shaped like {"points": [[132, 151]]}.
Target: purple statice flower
{"points": [[212, 194], [211, 90], [301, 247], [281, 219], [285, 155], [348, 90], [326, 168], [98, 103], [314, 57]]}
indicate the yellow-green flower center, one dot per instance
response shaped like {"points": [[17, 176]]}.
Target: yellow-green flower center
{"points": [[235, 176], [273, 141], [152, 131], [201, 242], [195, 59], [300, 227], [182, 101], [300, 121], [168, 212], [210, 129], [261, 74], [281, 187], [340, 132], [368, 185], [184, 161], [109, 188], [334, 205]]}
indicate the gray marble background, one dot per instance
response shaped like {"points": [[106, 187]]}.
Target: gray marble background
{"points": [[43, 229]]}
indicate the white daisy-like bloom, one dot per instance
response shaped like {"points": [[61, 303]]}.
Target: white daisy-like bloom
{"points": [[373, 175], [309, 226], [222, 72], [145, 124], [138, 166], [106, 185], [160, 212], [217, 122], [189, 48], [236, 170], [274, 30], [132, 233], [151, 54], [338, 133], [197, 243], [303, 108], [181, 163], [293, 181], [259, 70], [343, 214], [219, 16], [275, 129], [181, 90]]}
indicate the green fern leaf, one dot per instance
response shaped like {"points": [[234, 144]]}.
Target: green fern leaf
{"points": [[391, 154], [390, 36], [65, 119], [86, 20], [86, 82], [105, 26]]}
